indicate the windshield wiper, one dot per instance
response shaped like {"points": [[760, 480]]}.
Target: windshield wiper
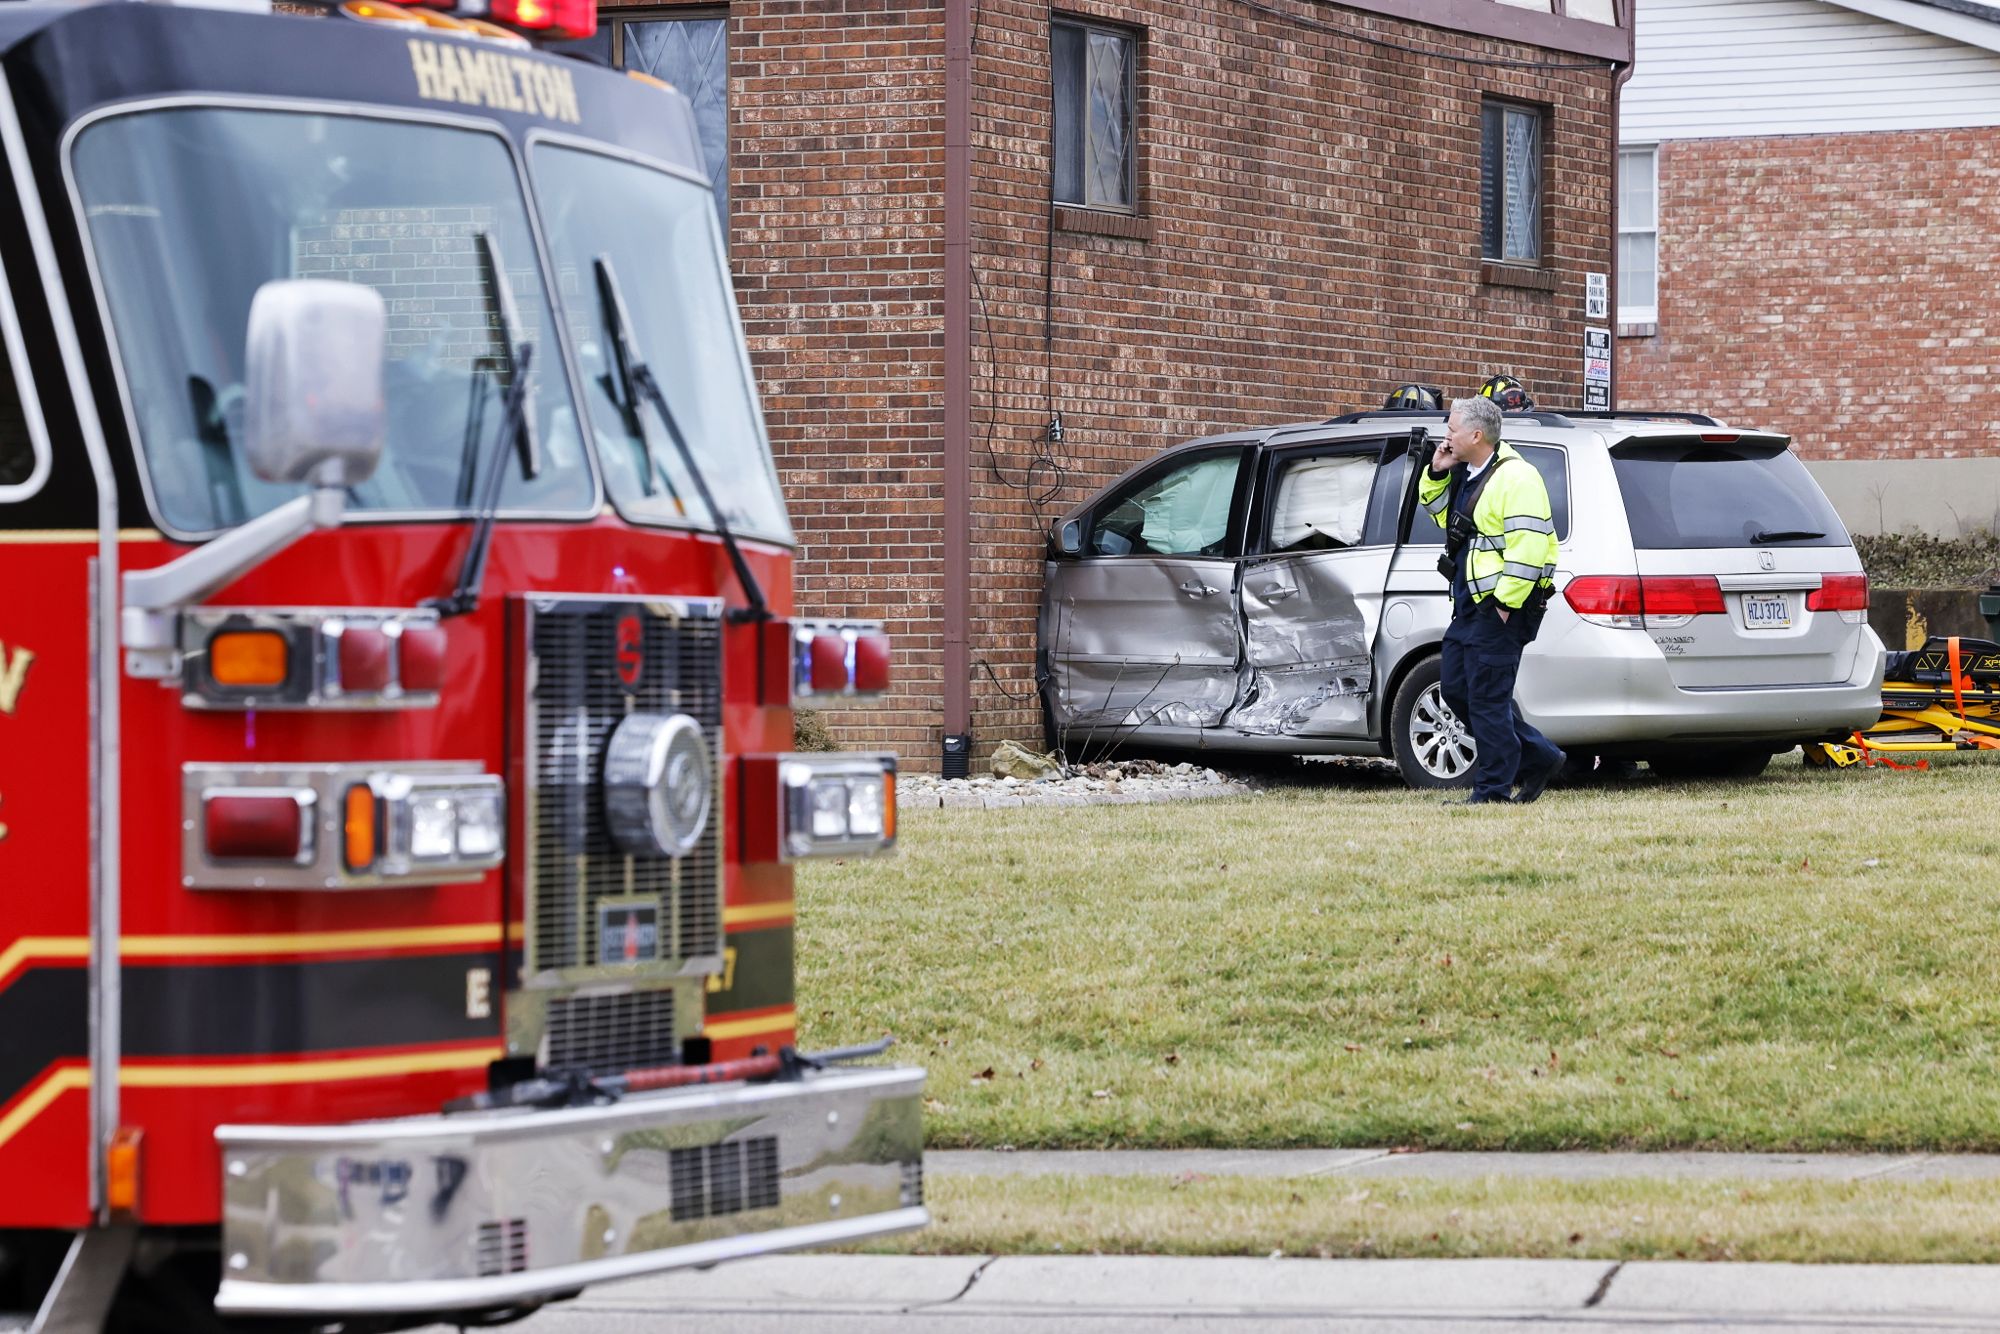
{"points": [[464, 597], [517, 427], [638, 378], [1785, 535], [508, 316]]}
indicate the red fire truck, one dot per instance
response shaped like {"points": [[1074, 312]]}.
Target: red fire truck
{"points": [[397, 672]]}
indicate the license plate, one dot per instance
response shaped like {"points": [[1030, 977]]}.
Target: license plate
{"points": [[1766, 611]]}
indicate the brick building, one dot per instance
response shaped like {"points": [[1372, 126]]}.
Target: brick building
{"points": [[956, 224], [1810, 240]]}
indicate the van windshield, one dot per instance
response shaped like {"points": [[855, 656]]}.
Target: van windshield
{"points": [[190, 210], [1684, 494]]}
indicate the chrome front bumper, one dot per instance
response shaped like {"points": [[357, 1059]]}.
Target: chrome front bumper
{"points": [[490, 1209]]}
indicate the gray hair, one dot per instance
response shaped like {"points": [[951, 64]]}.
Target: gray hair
{"points": [[1482, 415]]}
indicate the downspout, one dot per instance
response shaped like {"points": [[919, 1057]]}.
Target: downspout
{"points": [[1627, 12], [957, 519]]}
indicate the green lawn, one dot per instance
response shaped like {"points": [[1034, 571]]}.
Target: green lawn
{"points": [[1903, 1222], [1807, 961]]}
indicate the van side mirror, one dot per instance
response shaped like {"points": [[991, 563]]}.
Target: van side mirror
{"points": [[1066, 537], [313, 382]]}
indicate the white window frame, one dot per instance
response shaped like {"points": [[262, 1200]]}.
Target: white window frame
{"points": [[1627, 313]]}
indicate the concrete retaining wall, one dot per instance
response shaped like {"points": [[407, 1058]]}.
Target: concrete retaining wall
{"points": [[1905, 617]]}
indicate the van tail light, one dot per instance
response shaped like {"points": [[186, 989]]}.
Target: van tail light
{"points": [[817, 806], [1632, 602], [1606, 599], [1844, 593], [1678, 599]]}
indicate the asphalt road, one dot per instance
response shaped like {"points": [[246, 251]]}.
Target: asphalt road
{"points": [[1126, 1295]]}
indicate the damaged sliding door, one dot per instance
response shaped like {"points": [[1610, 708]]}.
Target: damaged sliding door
{"points": [[1312, 594], [1139, 625]]}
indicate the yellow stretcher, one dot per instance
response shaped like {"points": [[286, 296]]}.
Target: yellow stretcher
{"points": [[1943, 696]]}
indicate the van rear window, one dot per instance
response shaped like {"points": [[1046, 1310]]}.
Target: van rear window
{"points": [[1682, 494]]}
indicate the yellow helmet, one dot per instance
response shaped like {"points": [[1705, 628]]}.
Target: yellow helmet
{"points": [[1415, 398]]}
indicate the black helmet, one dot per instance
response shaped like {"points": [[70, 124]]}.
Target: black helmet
{"points": [[1415, 398], [1508, 394]]}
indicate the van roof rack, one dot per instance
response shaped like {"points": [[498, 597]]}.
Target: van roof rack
{"points": [[1645, 415], [1568, 417], [1537, 416]]}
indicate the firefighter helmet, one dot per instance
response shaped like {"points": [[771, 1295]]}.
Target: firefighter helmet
{"points": [[1415, 398], [1508, 394]]}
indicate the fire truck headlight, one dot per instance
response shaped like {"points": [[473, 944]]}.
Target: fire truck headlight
{"points": [[433, 826], [482, 826], [837, 805], [864, 807], [437, 823]]}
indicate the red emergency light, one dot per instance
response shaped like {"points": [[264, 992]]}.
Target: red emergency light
{"points": [[491, 20], [567, 20]]}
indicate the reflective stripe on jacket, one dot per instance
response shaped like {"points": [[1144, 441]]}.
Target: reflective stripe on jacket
{"points": [[1516, 546]]}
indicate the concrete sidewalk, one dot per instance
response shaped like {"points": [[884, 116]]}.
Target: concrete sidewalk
{"points": [[1462, 1166], [1118, 1293]]}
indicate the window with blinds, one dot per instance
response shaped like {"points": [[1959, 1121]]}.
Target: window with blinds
{"points": [[1638, 236], [1510, 183], [1093, 69]]}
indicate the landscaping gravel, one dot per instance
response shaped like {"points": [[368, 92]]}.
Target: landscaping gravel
{"points": [[1110, 783]]}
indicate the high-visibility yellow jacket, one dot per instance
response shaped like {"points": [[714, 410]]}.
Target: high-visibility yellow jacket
{"points": [[1516, 546]]}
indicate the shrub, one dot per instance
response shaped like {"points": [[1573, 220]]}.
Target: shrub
{"points": [[809, 731], [1919, 560]]}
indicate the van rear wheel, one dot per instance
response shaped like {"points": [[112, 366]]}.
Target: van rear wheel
{"points": [[1432, 746]]}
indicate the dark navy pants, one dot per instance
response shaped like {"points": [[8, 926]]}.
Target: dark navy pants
{"points": [[1482, 657]]}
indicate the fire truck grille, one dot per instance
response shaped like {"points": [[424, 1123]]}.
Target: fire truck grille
{"points": [[610, 1034], [503, 1247], [589, 903], [723, 1179]]}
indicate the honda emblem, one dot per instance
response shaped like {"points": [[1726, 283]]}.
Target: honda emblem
{"points": [[1767, 561]]}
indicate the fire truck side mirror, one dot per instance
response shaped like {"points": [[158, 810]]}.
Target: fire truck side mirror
{"points": [[313, 382]]}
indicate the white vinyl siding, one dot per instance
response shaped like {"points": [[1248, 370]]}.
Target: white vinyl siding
{"points": [[1727, 69]]}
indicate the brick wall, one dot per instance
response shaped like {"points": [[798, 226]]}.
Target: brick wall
{"points": [[1311, 218], [836, 141], [1308, 238], [1839, 288]]}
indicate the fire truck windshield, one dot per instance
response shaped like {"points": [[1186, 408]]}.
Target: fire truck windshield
{"points": [[189, 210], [662, 240]]}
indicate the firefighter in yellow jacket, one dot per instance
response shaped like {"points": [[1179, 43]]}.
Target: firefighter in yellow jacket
{"points": [[1500, 554]]}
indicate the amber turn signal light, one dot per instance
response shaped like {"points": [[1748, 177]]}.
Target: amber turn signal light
{"points": [[121, 1173], [360, 825], [245, 658]]}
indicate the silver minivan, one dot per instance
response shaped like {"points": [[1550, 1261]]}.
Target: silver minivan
{"points": [[1277, 590]]}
